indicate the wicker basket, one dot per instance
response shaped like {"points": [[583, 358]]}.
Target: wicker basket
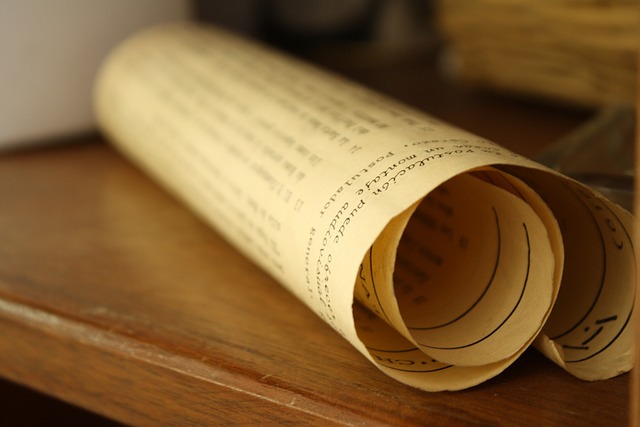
{"points": [[576, 51]]}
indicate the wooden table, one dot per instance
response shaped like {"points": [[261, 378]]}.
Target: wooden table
{"points": [[115, 298]]}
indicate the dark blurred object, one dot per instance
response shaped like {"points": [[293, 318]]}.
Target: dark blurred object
{"points": [[372, 31], [242, 16], [301, 23], [293, 22]]}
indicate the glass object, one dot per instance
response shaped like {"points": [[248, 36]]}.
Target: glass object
{"points": [[600, 154]]}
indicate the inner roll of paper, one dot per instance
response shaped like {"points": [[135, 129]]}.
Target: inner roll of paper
{"points": [[465, 286]]}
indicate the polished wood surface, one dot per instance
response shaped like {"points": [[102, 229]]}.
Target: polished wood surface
{"points": [[117, 299]]}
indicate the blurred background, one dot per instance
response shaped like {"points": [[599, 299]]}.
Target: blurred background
{"points": [[578, 52], [564, 52]]}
